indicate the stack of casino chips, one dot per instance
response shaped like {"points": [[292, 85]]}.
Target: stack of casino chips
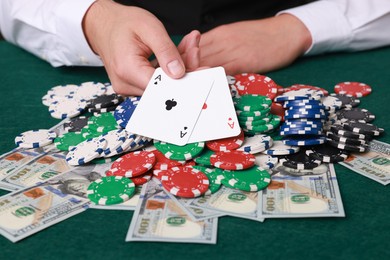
{"points": [[304, 117], [253, 112]]}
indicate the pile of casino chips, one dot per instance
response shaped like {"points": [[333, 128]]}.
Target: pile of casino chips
{"points": [[253, 112], [197, 169]]}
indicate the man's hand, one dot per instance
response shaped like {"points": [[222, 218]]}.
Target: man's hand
{"points": [[255, 46], [125, 37]]}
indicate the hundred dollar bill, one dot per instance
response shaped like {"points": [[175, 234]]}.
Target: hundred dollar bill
{"points": [[37, 170], [158, 218], [195, 213], [127, 205], [231, 202], [294, 194], [374, 164], [27, 211], [14, 159]]}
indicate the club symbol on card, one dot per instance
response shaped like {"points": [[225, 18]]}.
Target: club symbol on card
{"points": [[169, 104], [230, 122], [183, 132], [157, 79]]}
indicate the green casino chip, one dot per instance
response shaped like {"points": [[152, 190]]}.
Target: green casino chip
{"points": [[261, 121], [179, 153], [260, 113], [214, 175], [111, 190], [204, 157], [252, 103], [252, 179], [274, 123], [67, 140], [102, 123]]}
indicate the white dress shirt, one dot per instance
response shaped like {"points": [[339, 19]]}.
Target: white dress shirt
{"points": [[52, 29]]}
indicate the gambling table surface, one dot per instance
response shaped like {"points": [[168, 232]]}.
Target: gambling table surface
{"points": [[100, 234]]}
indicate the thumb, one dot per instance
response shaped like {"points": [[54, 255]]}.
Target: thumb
{"points": [[165, 51]]}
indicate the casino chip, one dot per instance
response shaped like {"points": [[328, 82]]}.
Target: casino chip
{"points": [[347, 100], [67, 140], [204, 157], [332, 103], [299, 95], [163, 163], [299, 161], [110, 190], [76, 124], [256, 143], [132, 164], [257, 84], [357, 114], [232, 160], [302, 102], [125, 109], [226, 144], [104, 101], [304, 140], [345, 140], [214, 175], [86, 151], [185, 182], [279, 148], [102, 123], [355, 89], [35, 138], [352, 148], [303, 86], [142, 179], [89, 90], [266, 161], [252, 103], [327, 153], [115, 139], [363, 128], [180, 153], [67, 108], [252, 179], [339, 130]]}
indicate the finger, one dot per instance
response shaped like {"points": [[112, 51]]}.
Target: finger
{"points": [[189, 41], [191, 59], [168, 56]]}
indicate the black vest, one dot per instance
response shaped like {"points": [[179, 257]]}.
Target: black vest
{"points": [[182, 16]]}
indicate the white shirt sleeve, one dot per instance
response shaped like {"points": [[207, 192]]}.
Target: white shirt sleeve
{"points": [[345, 25], [50, 29]]}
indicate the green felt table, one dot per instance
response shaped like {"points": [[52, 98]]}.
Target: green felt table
{"points": [[100, 234]]}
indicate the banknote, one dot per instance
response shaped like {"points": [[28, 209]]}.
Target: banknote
{"points": [[27, 211], [37, 170], [231, 202], [158, 218], [374, 164], [127, 205], [292, 195], [195, 213]]}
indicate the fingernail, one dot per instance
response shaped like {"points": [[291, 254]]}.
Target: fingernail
{"points": [[175, 68]]}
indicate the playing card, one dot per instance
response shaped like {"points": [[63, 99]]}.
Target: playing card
{"points": [[169, 108], [218, 117]]}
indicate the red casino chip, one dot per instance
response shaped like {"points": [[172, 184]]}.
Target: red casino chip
{"points": [[257, 84], [142, 179], [356, 89], [278, 110], [232, 160], [226, 144], [185, 182], [190, 163], [133, 164], [281, 89], [163, 163], [303, 86], [159, 173]]}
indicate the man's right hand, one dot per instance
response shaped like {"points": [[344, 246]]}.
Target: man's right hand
{"points": [[125, 37]]}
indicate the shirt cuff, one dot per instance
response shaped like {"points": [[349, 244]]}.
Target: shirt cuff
{"points": [[69, 20], [329, 28]]}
